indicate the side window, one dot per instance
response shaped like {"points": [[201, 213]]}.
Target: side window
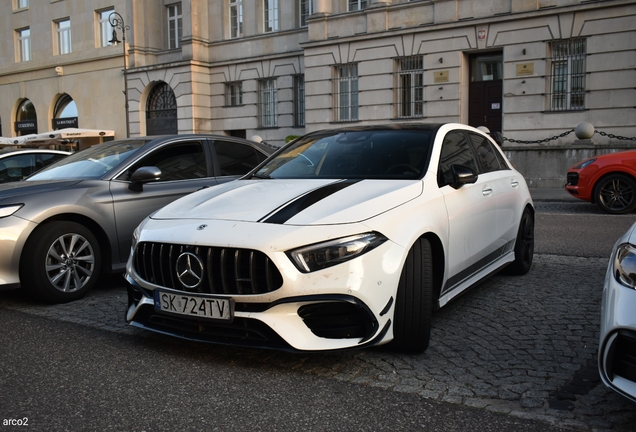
{"points": [[18, 167], [455, 151], [176, 161], [42, 160], [486, 154], [236, 158]]}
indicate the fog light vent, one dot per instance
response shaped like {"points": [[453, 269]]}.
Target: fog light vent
{"points": [[335, 320]]}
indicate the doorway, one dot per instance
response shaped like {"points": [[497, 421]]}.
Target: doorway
{"points": [[485, 91]]}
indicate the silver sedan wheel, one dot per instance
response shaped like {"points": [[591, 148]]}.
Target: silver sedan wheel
{"points": [[70, 262]]}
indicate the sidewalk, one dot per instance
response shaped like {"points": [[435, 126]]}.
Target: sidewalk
{"points": [[552, 194]]}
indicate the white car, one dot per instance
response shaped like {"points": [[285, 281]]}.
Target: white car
{"points": [[617, 347], [344, 238]]}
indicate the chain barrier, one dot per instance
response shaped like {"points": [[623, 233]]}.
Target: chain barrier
{"points": [[618, 137], [564, 134], [539, 141]]}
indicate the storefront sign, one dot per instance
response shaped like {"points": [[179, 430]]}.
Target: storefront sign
{"points": [[68, 122], [26, 126]]}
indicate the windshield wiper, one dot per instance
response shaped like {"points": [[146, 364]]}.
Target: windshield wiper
{"points": [[261, 176]]}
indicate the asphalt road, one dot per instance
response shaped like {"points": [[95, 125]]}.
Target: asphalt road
{"points": [[514, 354]]}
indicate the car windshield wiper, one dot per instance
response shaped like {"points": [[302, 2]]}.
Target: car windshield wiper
{"points": [[261, 176]]}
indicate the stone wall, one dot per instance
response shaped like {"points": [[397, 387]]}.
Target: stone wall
{"points": [[545, 166]]}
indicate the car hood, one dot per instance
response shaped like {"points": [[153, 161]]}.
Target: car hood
{"points": [[9, 191], [294, 202]]}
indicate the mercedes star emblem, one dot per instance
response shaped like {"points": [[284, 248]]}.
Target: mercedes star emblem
{"points": [[189, 270]]}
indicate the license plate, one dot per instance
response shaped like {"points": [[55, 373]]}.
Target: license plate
{"points": [[194, 306]]}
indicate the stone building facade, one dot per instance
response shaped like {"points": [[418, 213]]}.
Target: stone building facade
{"points": [[530, 69]]}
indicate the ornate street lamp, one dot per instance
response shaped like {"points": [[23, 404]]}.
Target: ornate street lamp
{"points": [[117, 22]]}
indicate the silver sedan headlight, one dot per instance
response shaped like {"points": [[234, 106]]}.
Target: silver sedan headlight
{"points": [[625, 265], [8, 210], [322, 255]]}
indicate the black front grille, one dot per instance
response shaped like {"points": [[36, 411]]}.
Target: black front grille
{"points": [[573, 179], [226, 270], [623, 362]]}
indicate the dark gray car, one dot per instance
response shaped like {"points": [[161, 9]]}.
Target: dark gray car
{"points": [[63, 226]]}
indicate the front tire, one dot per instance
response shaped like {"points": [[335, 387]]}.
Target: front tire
{"points": [[61, 262], [414, 302], [616, 194]]}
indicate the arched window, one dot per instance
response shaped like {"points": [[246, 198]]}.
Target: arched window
{"points": [[65, 113], [161, 113], [26, 119]]}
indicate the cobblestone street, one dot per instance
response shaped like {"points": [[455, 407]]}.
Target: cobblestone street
{"points": [[525, 346]]}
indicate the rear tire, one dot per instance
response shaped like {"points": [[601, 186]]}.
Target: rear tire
{"points": [[524, 245], [414, 302], [61, 262]]}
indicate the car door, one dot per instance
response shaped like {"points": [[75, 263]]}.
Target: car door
{"points": [[504, 183], [185, 167], [471, 210]]}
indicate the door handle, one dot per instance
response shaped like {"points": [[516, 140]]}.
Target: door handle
{"points": [[486, 192], [514, 183], [485, 121]]}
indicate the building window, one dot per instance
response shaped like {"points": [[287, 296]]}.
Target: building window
{"points": [[24, 44], [267, 103], [104, 29], [63, 29], [175, 25], [410, 86], [299, 100], [355, 5], [234, 93], [306, 9], [236, 18], [20, 4], [270, 15], [346, 92], [567, 82]]}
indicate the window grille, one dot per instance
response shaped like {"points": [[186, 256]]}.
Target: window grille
{"points": [[567, 81], [268, 103], [63, 29], [270, 15], [346, 92], [24, 44], [175, 25], [306, 9], [299, 100], [234, 93], [236, 18], [410, 86]]}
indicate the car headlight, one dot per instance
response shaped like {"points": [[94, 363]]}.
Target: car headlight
{"points": [[584, 163], [625, 265], [326, 254], [8, 210]]}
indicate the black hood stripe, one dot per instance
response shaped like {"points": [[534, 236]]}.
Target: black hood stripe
{"points": [[291, 209]]}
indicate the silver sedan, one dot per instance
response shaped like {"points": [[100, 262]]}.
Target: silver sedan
{"points": [[617, 350], [63, 226]]}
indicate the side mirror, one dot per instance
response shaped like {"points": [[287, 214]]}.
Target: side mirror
{"points": [[144, 175], [462, 175]]}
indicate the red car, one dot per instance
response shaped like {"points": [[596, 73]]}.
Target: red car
{"points": [[608, 180]]}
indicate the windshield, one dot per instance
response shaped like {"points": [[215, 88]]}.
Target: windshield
{"points": [[91, 163], [374, 154]]}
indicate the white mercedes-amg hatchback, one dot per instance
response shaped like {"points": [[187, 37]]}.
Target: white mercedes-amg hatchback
{"points": [[344, 238]]}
